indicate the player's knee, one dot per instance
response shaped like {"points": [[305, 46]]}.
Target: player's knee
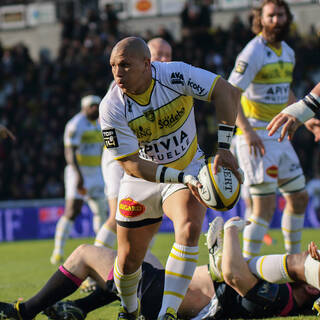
{"points": [[189, 231], [79, 253], [295, 265]]}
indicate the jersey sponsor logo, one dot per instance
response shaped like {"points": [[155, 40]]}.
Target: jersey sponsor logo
{"points": [[272, 171], [241, 67], [142, 132], [168, 149], [149, 114], [171, 120], [277, 94], [110, 138], [177, 78], [227, 179], [196, 88], [130, 208]]}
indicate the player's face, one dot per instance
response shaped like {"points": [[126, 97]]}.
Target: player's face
{"points": [[161, 52], [92, 111], [130, 72], [274, 22]]}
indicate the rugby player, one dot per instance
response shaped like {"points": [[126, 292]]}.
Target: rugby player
{"points": [[148, 124], [240, 295], [160, 50], [82, 176], [263, 73]]}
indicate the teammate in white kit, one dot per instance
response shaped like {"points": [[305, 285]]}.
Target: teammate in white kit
{"points": [[148, 125], [263, 73], [83, 176]]}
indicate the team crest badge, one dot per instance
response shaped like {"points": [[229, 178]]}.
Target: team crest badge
{"points": [[241, 67], [149, 114]]}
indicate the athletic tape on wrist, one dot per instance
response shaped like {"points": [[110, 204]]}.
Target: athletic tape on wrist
{"points": [[225, 134], [311, 271], [300, 110], [313, 102], [168, 175]]}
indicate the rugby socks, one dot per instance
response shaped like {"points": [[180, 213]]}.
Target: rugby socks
{"points": [[272, 268], [98, 298], [253, 236], [106, 237], [291, 226], [180, 267], [60, 285], [127, 286], [99, 209], [63, 228]]}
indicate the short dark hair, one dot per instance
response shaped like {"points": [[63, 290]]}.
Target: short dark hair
{"points": [[257, 13]]}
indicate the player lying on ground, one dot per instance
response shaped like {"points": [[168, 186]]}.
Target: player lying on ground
{"points": [[298, 113], [240, 295]]}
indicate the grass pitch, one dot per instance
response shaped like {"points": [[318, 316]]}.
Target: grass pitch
{"points": [[25, 266]]}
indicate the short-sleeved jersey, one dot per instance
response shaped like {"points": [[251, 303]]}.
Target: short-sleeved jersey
{"points": [[86, 136], [264, 73], [160, 123]]}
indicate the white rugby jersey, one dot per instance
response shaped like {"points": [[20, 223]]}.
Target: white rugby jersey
{"points": [[160, 123], [264, 74], [86, 135]]}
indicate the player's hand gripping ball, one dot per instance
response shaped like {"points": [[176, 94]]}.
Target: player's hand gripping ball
{"points": [[220, 191]]}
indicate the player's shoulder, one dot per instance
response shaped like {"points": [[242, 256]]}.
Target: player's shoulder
{"points": [[113, 98], [76, 119], [255, 46], [166, 69], [287, 49]]}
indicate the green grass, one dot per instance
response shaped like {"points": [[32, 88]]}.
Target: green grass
{"points": [[25, 266]]}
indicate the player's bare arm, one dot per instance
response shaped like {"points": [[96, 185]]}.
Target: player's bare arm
{"points": [[70, 156], [225, 98], [254, 142], [293, 116], [6, 133]]}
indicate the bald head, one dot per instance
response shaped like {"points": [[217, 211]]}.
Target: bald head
{"points": [[160, 50], [132, 46], [130, 62]]}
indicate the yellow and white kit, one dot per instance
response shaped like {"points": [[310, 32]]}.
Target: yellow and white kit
{"points": [[264, 74], [159, 125], [86, 136]]}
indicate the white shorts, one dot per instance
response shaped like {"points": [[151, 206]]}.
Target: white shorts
{"points": [[279, 162], [93, 183], [140, 201], [112, 174]]}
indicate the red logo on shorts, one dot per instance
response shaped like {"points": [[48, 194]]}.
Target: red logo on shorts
{"points": [[272, 171], [130, 208]]}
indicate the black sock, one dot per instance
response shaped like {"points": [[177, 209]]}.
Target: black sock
{"points": [[98, 298], [59, 286]]}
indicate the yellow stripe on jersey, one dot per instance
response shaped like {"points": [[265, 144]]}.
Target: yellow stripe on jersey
{"points": [[89, 161], [92, 136], [273, 73], [212, 87], [184, 161], [278, 52], [144, 98], [126, 155], [163, 121], [260, 111]]}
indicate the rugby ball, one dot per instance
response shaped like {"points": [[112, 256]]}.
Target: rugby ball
{"points": [[219, 191]]}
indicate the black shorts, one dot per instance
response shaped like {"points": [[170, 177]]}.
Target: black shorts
{"points": [[263, 300]]}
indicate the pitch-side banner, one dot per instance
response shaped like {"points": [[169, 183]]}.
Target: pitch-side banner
{"points": [[171, 6], [23, 221], [13, 17], [143, 8]]}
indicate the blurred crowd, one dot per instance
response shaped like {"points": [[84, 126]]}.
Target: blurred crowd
{"points": [[38, 97]]}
